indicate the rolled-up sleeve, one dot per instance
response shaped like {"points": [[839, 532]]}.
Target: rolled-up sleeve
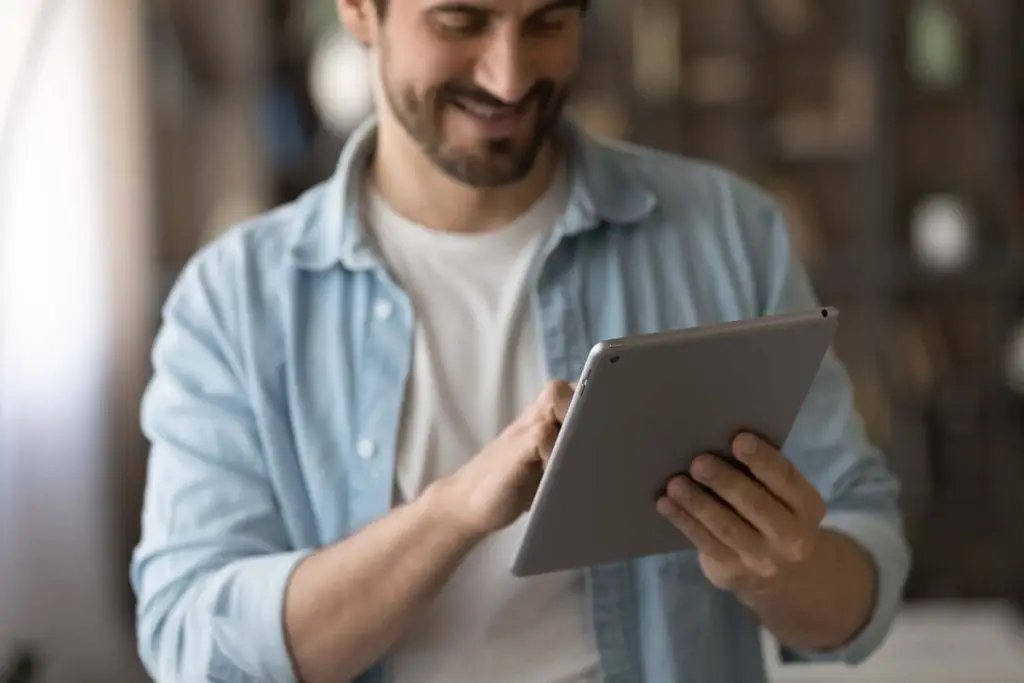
{"points": [[829, 445], [214, 560]]}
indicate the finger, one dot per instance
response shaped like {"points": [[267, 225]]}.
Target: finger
{"points": [[749, 498], [729, 528], [781, 477], [542, 436], [702, 539], [554, 401]]}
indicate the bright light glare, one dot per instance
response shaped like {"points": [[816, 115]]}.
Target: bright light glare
{"points": [[51, 239], [340, 82]]}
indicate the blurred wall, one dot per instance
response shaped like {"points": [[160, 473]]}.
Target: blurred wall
{"points": [[73, 314]]}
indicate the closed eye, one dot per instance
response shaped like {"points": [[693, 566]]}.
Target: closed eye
{"points": [[548, 22], [460, 20]]}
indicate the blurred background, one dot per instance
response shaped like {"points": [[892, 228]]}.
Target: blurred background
{"points": [[891, 131]]}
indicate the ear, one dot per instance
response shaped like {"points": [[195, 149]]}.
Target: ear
{"points": [[360, 19]]}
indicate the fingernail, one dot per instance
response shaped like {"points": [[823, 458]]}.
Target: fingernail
{"points": [[746, 444], [704, 467], [679, 489]]}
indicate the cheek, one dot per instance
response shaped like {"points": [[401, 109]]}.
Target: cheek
{"points": [[558, 61], [398, 71], [426, 69]]}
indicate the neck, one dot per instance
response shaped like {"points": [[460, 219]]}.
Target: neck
{"points": [[415, 188]]}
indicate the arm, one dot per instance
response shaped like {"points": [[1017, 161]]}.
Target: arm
{"points": [[814, 587], [823, 603], [215, 556], [222, 593], [349, 604], [863, 554], [814, 544]]}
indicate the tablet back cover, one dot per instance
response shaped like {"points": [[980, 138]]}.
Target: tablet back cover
{"points": [[645, 409]]}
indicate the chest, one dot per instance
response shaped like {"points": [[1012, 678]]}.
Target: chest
{"points": [[330, 396], [336, 385], [475, 362]]}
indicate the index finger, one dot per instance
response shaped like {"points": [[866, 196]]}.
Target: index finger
{"points": [[554, 400]]}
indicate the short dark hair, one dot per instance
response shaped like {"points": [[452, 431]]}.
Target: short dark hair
{"points": [[382, 6]]}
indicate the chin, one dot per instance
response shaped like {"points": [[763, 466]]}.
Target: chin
{"points": [[484, 171], [486, 161]]}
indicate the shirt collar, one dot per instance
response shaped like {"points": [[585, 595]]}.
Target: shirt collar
{"points": [[603, 189]]}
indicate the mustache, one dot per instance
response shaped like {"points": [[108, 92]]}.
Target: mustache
{"points": [[541, 91]]}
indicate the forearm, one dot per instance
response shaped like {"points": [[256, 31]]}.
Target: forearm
{"points": [[348, 604], [824, 602]]}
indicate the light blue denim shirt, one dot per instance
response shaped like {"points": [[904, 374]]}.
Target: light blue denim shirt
{"points": [[280, 370]]}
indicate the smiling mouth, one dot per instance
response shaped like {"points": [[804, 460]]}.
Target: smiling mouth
{"points": [[488, 112]]}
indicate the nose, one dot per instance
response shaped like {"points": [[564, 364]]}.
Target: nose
{"points": [[503, 69]]}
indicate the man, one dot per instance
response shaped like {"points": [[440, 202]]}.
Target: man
{"points": [[355, 394]]}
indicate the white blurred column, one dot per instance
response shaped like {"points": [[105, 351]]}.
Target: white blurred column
{"points": [[73, 230]]}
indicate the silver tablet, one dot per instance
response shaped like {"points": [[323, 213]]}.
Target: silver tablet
{"points": [[644, 408]]}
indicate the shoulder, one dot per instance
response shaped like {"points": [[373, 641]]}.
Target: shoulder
{"points": [[728, 234], [255, 253], [688, 187], [243, 271]]}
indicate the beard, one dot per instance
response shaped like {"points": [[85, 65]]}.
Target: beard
{"points": [[495, 161]]}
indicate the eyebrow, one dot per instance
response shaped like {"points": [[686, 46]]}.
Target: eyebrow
{"points": [[475, 8]]}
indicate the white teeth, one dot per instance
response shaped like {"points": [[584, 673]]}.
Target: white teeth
{"points": [[486, 112]]}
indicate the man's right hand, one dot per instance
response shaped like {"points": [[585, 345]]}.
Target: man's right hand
{"points": [[348, 604], [493, 489]]}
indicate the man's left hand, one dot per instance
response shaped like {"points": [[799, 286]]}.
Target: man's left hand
{"points": [[769, 527]]}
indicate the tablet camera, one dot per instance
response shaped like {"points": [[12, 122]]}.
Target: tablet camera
{"points": [[613, 359]]}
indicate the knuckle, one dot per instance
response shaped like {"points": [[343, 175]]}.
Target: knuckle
{"points": [[764, 568], [762, 505], [803, 549], [788, 472], [701, 504], [729, 531], [791, 551], [560, 391], [550, 432], [550, 393], [541, 433], [683, 521], [797, 550], [731, 576], [537, 433]]}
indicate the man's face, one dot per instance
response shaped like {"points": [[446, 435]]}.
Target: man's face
{"points": [[479, 84]]}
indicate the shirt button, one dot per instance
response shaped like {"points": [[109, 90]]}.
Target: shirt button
{"points": [[383, 310], [366, 449]]}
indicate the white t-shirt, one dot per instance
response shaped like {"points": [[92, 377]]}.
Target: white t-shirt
{"points": [[476, 366]]}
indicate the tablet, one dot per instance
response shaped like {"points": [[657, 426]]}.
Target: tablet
{"points": [[644, 408]]}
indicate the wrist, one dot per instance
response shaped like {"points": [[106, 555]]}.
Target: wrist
{"points": [[755, 591], [443, 507]]}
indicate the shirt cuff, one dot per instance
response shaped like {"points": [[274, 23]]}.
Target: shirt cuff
{"points": [[248, 622], [880, 536]]}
